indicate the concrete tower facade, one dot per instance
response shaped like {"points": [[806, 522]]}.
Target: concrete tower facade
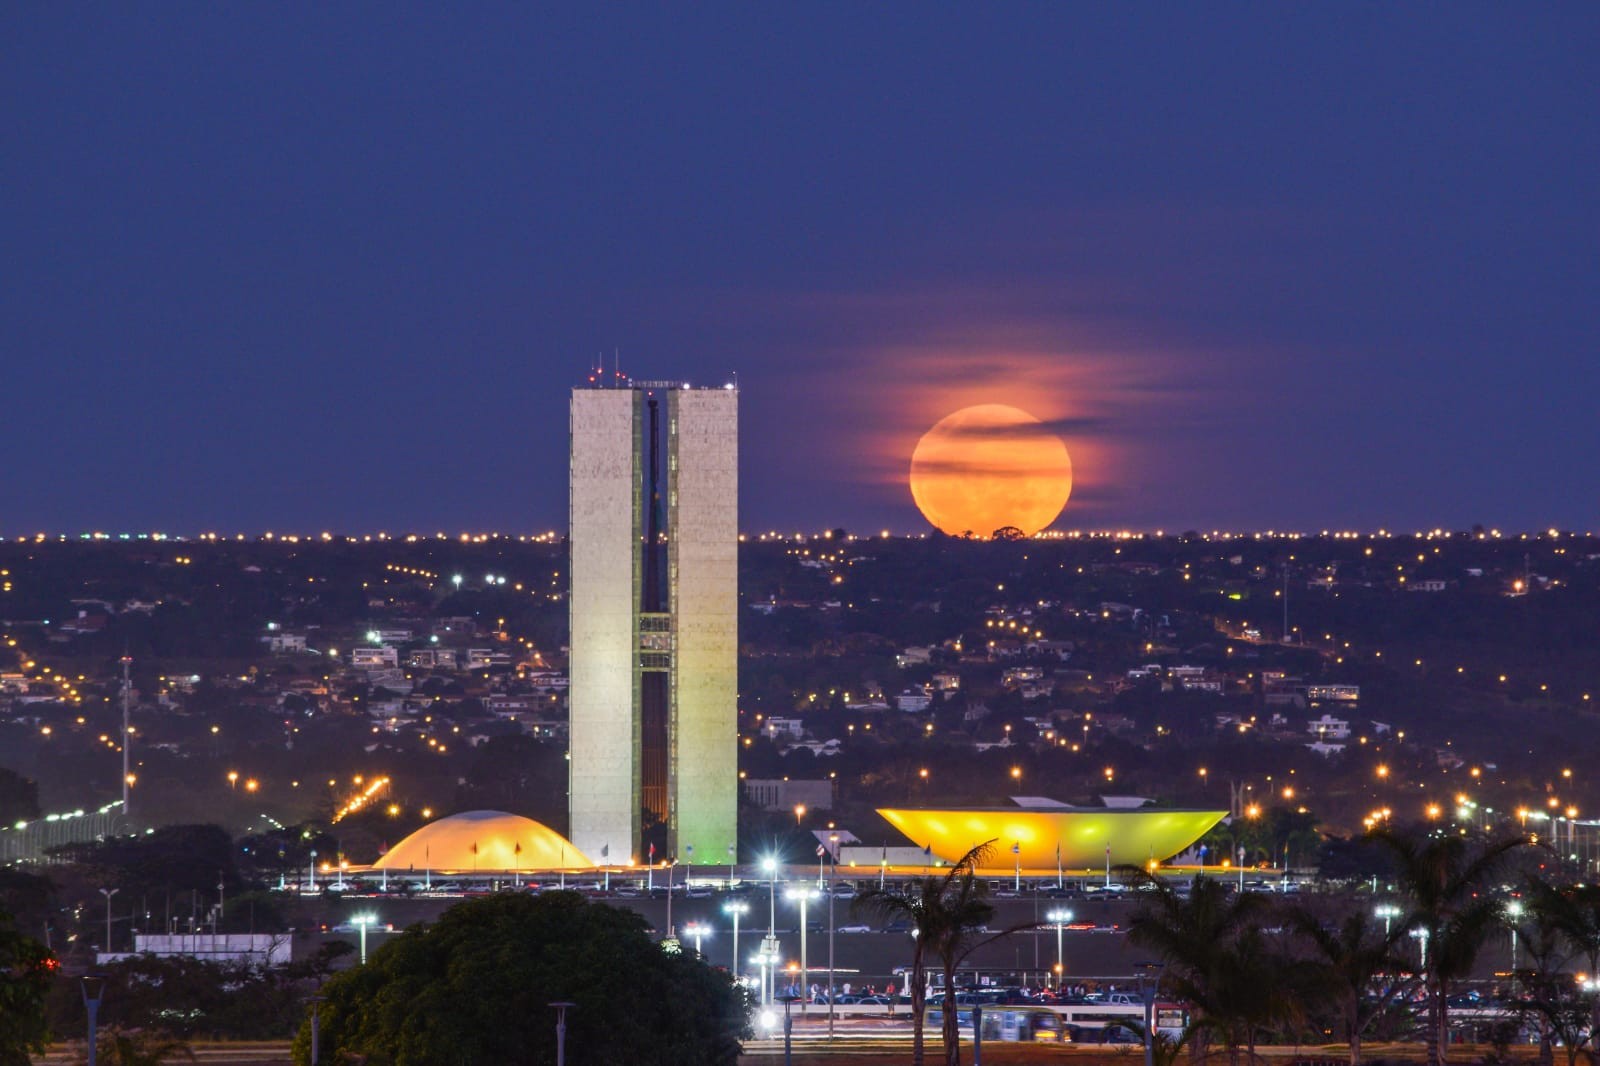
{"points": [[654, 613]]}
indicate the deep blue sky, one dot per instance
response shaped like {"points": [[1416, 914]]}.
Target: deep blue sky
{"points": [[275, 266]]}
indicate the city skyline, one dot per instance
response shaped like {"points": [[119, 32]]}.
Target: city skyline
{"points": [[343, 277]]}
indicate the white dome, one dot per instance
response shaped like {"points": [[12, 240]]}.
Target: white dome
{"points": [[484, 841]]}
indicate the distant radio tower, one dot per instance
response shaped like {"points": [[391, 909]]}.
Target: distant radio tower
{"points": [[127, 690]]}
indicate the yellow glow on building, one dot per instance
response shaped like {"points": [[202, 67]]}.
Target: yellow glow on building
{"points": [[1083, 835]]}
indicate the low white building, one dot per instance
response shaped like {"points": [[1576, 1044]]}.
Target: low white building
{"points": [[254, 949], [372, 657], [1329, 728], [913, 701]]}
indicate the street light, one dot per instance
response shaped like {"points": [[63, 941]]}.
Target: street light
{"points": [[316, 1027], [1514, 912], [108, 893], [770, 951], [803, 896], [698, 930], [1421, 936], [1147, 995], [788, 1027], [735, 907], [1058, 918], [361, 921], [1388, 912], [561, 1030], [93, 989]]}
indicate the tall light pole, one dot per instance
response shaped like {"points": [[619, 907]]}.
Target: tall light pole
{"points": [[1388, 912], [1420, 934], [1059, 918], [735, 907], [316, 1028], [833, 856], [127, 778], [108, 893], [1514, 912], [803, 897], [770, 951], [362, 921], [698, 930], [93, 989], [561, 1031], [1147, 995]]}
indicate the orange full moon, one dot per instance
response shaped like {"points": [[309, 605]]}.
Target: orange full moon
{"points": [[989, 467]]}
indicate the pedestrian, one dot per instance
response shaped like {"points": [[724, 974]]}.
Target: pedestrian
{"points": [[890, 993]]}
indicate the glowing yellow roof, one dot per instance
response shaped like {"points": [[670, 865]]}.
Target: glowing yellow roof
{"points": [[483, 841], [1083, 834]]}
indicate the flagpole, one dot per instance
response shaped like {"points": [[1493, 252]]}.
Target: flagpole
{"points": [[1058, 863]]}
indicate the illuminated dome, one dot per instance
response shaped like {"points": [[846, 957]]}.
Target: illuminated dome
{"points": [[1085, 836], [483, 842]]}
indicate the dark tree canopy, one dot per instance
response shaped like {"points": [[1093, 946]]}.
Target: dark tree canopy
{"points": [[178, 857], [26, 968], [476, 988]]}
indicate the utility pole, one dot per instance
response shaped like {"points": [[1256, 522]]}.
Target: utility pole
{"points": [[127, 691]]}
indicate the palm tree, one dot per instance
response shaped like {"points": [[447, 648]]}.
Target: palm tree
{"points": [[1200, 938], [1441, 878], [945, 911], [1563, 925], [1353, 958]]}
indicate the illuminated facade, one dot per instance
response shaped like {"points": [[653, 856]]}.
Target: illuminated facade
{"points": [[481, 842], [1088, 837], [654, 611]]}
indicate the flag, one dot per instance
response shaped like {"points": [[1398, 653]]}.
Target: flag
{"points": [[605, 851], [689, 849], [652, 854], [821, 851], [474, 847], [1016, 847], [517, 847]]}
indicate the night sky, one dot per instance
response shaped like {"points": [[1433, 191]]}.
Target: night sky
{"points": [[1297, 266]]}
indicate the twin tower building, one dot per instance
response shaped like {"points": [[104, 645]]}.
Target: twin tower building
{"points": [[654, 614]]}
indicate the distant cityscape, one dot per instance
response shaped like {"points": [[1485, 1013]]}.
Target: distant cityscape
{"points": [[1437, 676]]}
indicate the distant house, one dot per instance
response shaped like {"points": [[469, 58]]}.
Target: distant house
{"points": [[1333, 693], [433, 658], [784, 727], [1329, 728], [1017, 676], [285, 643], [913, 701], [370, 657], [914, 657]]}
